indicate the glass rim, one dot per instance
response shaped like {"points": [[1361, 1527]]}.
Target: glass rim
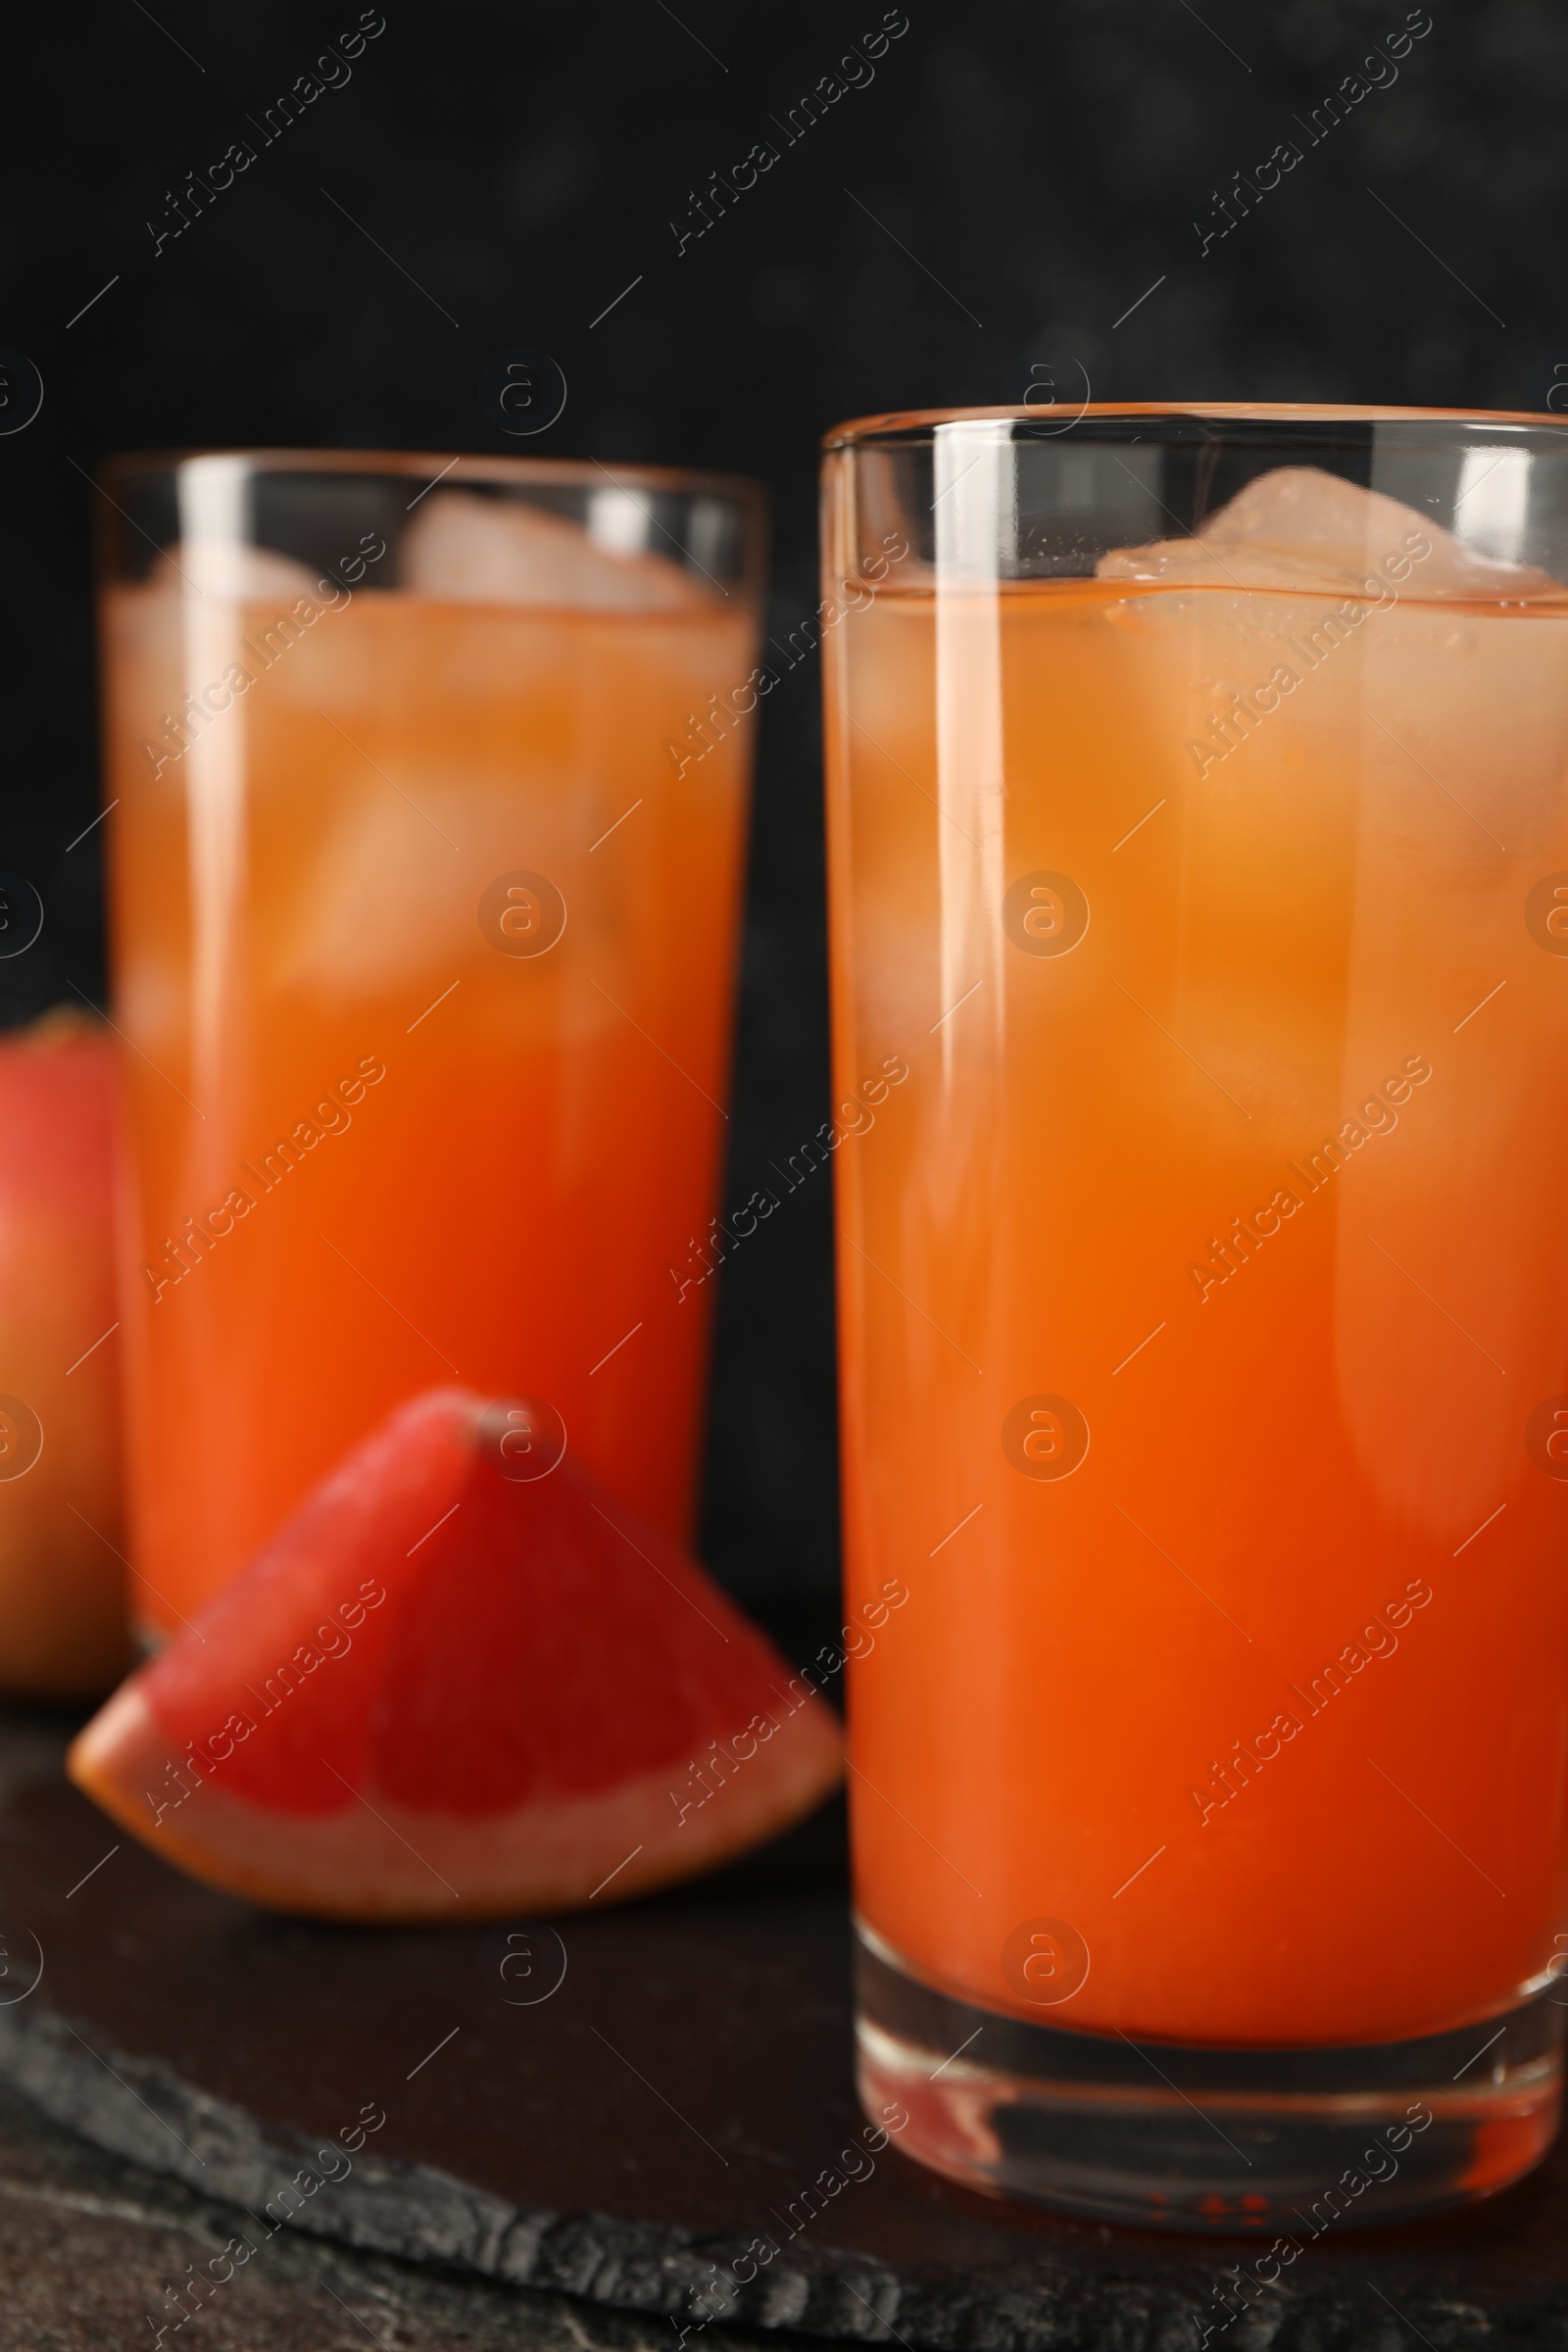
{"points": [[499, 466], [906, 428]]}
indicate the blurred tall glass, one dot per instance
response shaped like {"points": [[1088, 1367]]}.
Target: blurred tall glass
{"points": [[1198, 790], [429, 796]]}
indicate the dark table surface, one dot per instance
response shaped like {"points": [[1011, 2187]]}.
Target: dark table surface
{"points": [[90, 2243], [600, 2127]]}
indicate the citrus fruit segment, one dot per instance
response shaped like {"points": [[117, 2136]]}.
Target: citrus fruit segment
{"points": [[461, 1681]]}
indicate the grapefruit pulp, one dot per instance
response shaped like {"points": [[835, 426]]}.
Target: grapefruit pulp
{"points": [[460, 1681]]}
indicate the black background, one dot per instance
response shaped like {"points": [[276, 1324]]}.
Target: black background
{"points": [[1014, 177]]}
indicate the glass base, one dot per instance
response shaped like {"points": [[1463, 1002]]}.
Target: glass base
{"points": [[1183, 2136]]}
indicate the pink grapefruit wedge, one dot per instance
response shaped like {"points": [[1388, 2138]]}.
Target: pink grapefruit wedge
{"points": [[461, 1681]]}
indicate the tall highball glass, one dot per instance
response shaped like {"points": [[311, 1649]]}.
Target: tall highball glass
{"points": [[1197, 789], [428, 782]]}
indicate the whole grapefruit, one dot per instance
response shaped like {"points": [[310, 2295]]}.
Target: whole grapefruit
{"points": [[63, 1625]]}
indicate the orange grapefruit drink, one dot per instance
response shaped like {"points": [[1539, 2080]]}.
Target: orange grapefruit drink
{"points": [[1204, 1306], [424, 954]]}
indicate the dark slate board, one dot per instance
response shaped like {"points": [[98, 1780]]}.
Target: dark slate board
{"points": [[670, 2100]]}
